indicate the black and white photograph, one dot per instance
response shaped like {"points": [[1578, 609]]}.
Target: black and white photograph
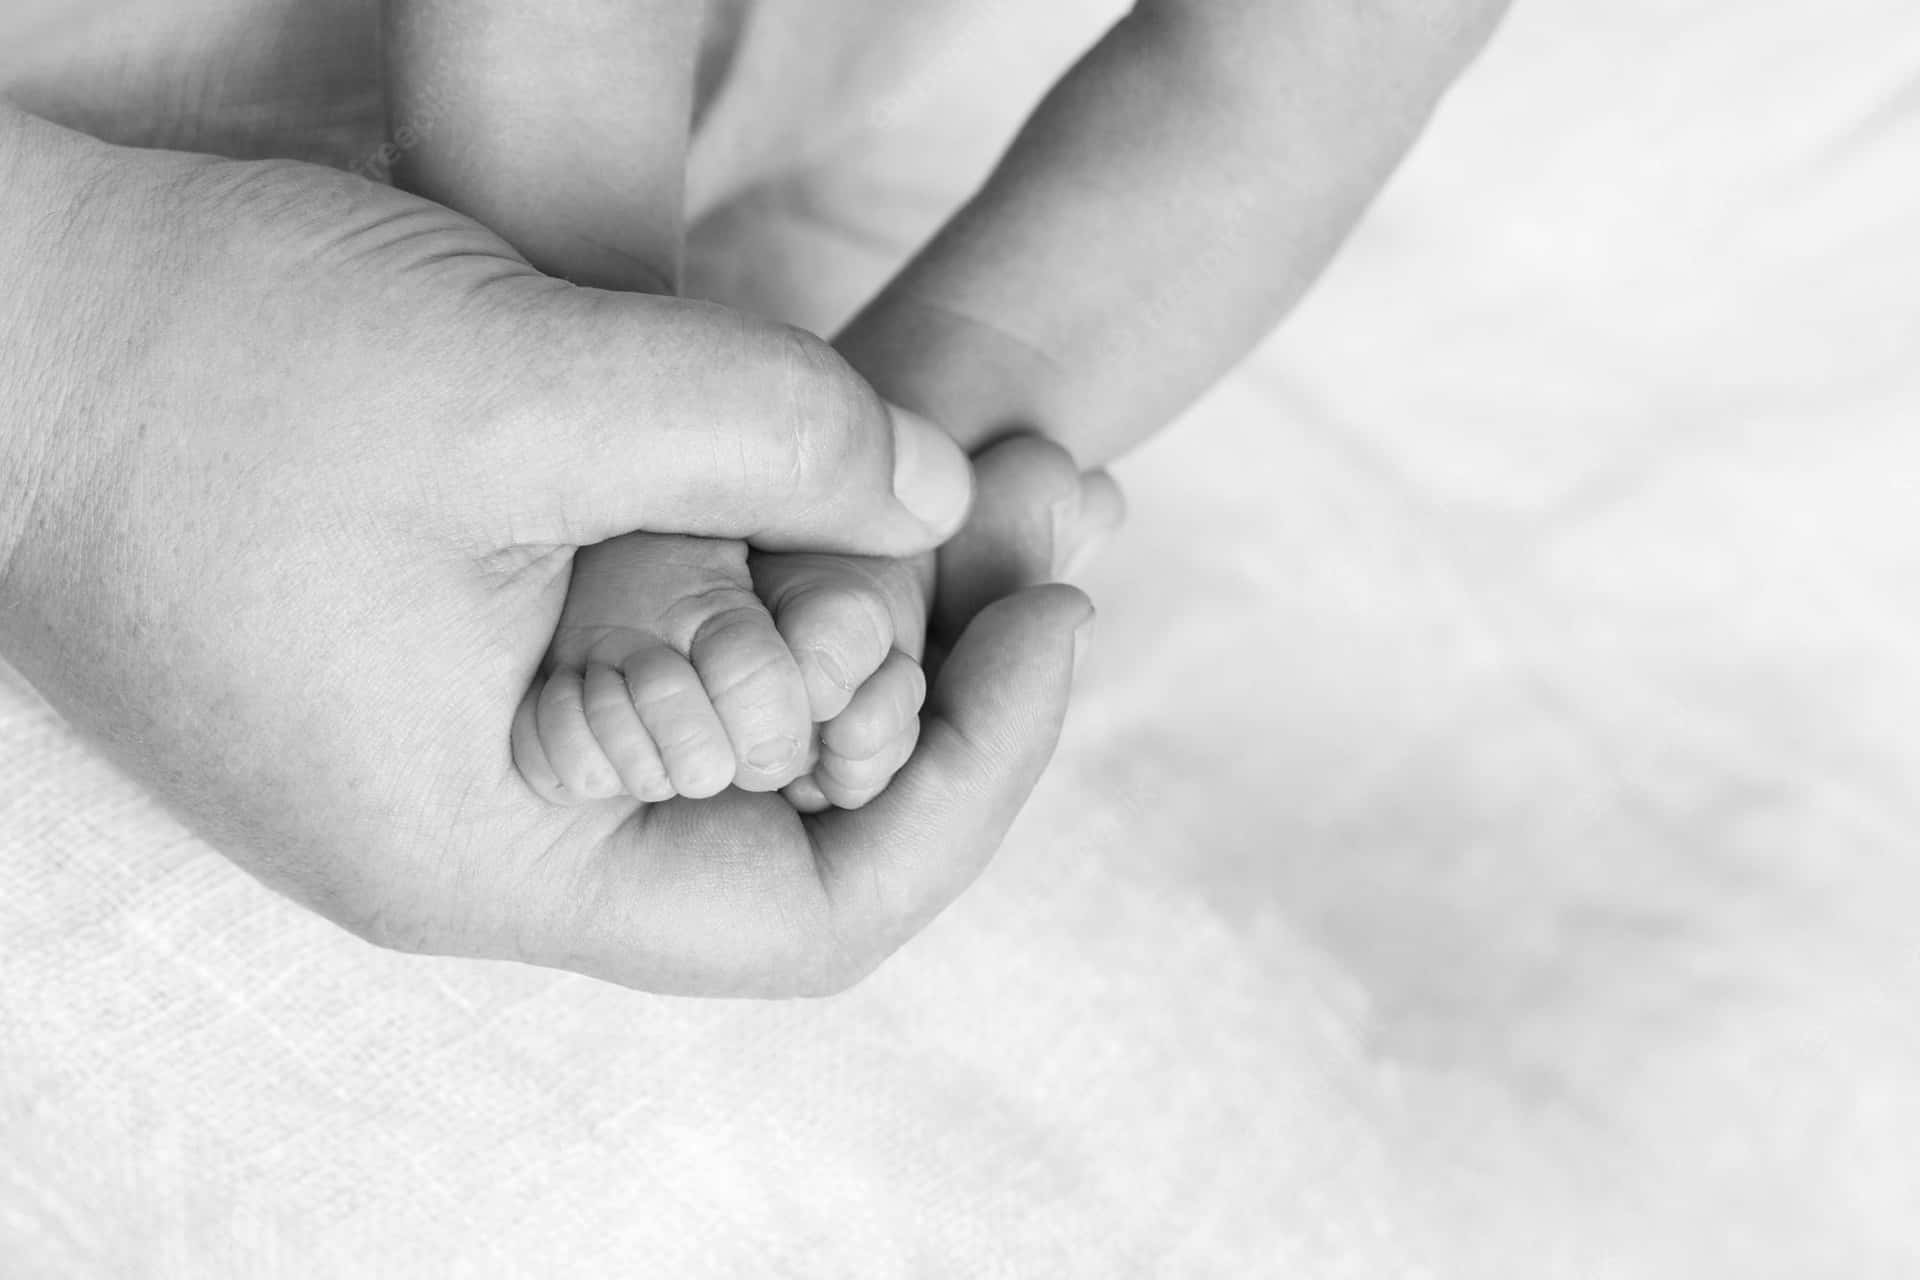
{"points": [[959, 638]]}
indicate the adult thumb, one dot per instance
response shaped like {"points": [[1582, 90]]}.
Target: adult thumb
{"points": [[606, 413]]}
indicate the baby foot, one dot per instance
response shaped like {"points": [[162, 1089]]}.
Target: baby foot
{"points": [[665, 677], [857, 627], [1036, 518], [668, 677]]}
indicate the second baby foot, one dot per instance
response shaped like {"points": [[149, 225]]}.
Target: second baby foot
{"points": [[857, 627]]}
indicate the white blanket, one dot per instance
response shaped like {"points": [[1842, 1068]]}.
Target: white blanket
{"points": [[1483, 845]]}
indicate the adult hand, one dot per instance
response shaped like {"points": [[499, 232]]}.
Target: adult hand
{"points": [[297, 471]]}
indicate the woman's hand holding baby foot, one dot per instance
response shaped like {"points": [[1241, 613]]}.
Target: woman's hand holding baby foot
{"points": [[683, 666], [415, 487]]}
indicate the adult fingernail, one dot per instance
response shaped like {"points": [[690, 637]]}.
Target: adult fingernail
{"points": [[931, 476]]}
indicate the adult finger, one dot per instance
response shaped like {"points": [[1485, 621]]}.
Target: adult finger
{"points": [[988, 730], [595, 414]]}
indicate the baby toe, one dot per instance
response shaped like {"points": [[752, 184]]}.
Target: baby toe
{"points": [[868, 743], [1027, 496], [835, 620], [805, 795], [851, 784], [576, 759], [884, 706], [616, 725], [529, 756], [676, 713], [757, 692]]}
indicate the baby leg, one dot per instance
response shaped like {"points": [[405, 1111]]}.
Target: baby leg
{"points": [[561, 127]]}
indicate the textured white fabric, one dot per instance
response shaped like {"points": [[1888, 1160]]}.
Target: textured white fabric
{"points": [[1483, 845]]}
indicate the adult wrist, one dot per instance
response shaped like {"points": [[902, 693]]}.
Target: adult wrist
{"points": [[68, 280], [23, 377]]}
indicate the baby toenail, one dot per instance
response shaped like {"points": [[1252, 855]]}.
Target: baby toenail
{"points": [[831, 668], [774, 756]]}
